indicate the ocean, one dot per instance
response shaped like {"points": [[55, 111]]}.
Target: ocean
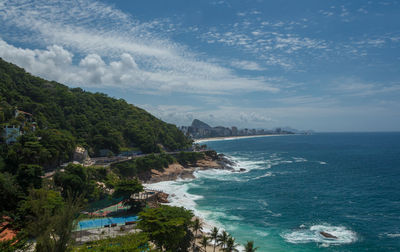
{"points": [[295, 186]]}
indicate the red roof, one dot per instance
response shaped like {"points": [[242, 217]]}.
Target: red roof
{"points": [[6, 233], [23, 112]]}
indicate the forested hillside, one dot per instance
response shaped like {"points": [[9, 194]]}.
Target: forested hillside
{"points": [[94, 120]]}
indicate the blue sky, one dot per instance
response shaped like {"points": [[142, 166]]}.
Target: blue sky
{"points": [[322, 65]]}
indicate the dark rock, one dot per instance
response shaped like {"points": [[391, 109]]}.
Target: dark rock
{"points": [[327, 235]]}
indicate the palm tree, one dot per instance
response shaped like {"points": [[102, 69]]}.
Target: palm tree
{"points": [[223, 238], [214, 236], [249, 247], [197, 226], [231, 245], [204, 242]]}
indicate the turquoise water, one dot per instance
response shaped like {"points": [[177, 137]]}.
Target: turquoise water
{"points": [[345, 184], [100, 222]]}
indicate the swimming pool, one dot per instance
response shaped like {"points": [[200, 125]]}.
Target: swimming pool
{"points": [[101, 222]]}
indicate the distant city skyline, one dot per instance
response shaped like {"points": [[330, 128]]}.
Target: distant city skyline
{"points": [[320, 65]]}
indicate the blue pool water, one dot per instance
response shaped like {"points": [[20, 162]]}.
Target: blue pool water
{"points": [[100, 222], [294, 187]]}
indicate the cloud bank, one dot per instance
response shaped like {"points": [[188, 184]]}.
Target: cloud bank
{"points": [[112, 49]]}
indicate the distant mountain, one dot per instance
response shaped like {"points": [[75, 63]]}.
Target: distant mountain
{"points": [[200, 125], [200, 129]]}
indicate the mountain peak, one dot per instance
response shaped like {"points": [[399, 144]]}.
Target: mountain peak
{"points": [[199, 124]]}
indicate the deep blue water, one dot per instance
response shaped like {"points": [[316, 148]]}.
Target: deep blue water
{"points": [[346, 184]]}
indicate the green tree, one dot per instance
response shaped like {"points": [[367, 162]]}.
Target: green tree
{"points": [[75, 180], [231, 245], [38, 207], [197, 226], [29, 176], [10, 192], [60, 144], [126, 188], [27, 150], [223, 238], [249, 247], [51, 220], [204, 242], [214, 236], [168, 227]]}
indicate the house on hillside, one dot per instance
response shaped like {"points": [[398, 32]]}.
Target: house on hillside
{"points": [[28, 117], [24, 122], [11, 133]]}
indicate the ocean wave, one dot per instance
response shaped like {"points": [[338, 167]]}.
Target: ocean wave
{"points": [[313, 234], [299, 159], [249, 163], [268, 174], [261, 233], [178, 193], [219, 175], [179, 196]]}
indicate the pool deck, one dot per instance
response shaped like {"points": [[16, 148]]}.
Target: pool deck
{"points": [[105, 222]]}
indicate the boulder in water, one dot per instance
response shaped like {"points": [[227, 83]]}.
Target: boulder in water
{"points": [[327, 235]]}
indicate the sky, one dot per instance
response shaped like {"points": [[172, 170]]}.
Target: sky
{"points": [[312, 64]]}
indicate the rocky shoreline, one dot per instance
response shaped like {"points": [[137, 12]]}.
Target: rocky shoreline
{"points": [[177, 171]]}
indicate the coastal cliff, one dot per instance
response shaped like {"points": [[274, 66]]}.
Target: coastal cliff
{"points": [[176, 170]]}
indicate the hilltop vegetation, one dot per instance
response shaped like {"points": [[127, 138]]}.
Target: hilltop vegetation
{"points": [[94, 120]]}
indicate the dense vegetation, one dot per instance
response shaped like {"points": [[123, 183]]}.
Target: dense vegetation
{"points": [[141, 167], [95, 120], [168, 227], [189, 158]]}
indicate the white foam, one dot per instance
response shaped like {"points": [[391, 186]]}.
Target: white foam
{"points": [[312, 234], [268, 174], [393, 235], [322, 162], [179, 196], [262, 233], [220, 175], [248, 165], [299, 159]]}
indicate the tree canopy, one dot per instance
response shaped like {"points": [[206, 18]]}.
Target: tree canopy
{"points": [[168, 227], [95, 120]]}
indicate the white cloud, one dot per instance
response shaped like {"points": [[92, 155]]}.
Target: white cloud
{"points": [[55, 63], [247, 65], [112, 48], [354, 87], [268, 41]]}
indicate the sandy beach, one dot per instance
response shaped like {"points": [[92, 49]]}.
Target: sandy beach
{"points": [[201, 140]]}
